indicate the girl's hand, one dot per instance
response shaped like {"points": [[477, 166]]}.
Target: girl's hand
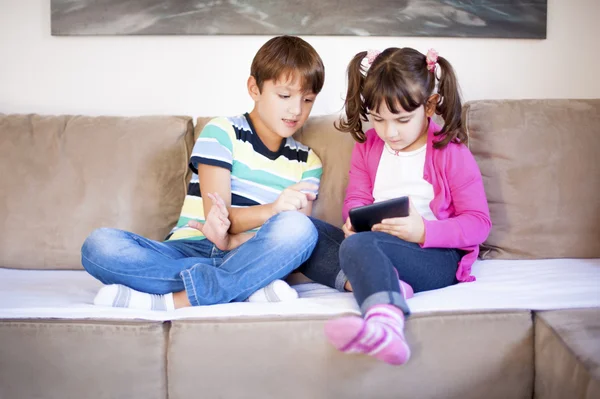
{"points": [[217, 223], [410, 228], [347, 228]]}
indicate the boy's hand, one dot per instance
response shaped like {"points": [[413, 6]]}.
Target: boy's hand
{"points": [[348, 229], [410, 228], [217, 223], [295, 197]]}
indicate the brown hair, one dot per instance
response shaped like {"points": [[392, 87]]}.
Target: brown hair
{"points": [[399, 76], [286, 56]]}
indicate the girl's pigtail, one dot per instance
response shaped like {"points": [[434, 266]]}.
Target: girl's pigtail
{"points": [[450, 107], [353, 105]]}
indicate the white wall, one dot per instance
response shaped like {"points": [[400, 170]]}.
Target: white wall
{"points": [[203, 75]]}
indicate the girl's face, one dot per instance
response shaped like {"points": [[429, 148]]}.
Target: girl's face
{"points": [[404, 131]]}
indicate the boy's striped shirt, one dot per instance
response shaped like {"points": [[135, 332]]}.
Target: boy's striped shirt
{"points": [[258, 175]]}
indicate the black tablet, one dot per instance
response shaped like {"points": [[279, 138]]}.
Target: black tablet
{"points": [[364, 217]]}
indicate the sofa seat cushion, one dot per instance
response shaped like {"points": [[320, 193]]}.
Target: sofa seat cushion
{"points": [[500, 285], [73, 359], [454, 355], [64, 176], [567, 347]]}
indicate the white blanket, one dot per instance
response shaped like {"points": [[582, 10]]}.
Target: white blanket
{"points": [[500, 285]]}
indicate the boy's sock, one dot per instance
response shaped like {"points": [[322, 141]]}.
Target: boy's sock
{"points": [[276, 291], [120, 296], [379, 334]]}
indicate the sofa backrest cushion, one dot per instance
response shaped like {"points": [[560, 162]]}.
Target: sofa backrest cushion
{"points": [[334, 148], [540, 165], [63, 176]]}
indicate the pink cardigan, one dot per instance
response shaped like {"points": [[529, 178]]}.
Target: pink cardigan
{"points": [[459, 201]]}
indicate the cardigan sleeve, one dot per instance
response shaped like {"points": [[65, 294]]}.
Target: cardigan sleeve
{"points": [[471, 223]]}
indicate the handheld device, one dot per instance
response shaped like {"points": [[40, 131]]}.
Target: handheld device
{"points": [[364, 217]]}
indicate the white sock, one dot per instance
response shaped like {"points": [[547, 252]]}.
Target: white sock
{"points": [[276, 291], [120, 296]]}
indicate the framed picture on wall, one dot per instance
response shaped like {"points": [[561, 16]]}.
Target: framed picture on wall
{"points": [[445, 18]]}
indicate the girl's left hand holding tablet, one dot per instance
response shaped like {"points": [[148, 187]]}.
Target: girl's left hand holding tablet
{"points": [[410, 228]]}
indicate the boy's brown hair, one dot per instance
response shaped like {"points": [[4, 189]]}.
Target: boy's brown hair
{"points": [[287, 57]]}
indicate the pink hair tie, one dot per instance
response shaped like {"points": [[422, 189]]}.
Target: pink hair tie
{"points": [[371, 55], [432, 59]]}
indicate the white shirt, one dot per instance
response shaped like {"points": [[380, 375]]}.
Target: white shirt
{"points": [[400, 175]]}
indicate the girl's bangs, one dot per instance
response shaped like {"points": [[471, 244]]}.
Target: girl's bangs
{"points": [[397, 96]]}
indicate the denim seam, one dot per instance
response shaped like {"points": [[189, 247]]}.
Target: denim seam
{"points": [[188, 282], [123, 274]]}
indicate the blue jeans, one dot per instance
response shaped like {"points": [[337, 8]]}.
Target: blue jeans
{"points": [[207, 274], [323, 266], [369, 260]]}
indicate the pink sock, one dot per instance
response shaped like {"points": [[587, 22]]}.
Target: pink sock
{"points": [[407, 290], [379, 334]]}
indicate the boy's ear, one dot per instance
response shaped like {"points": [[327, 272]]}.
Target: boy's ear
{"points": [[432, 102], [253, 89]]}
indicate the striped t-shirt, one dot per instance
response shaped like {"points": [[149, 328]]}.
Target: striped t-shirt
{"points": [[258, 175]]}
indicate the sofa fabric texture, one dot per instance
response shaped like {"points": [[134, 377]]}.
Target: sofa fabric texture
{"points": [[64, 176], [62, 359], [539, 162], [455, 355], [567, 347]]}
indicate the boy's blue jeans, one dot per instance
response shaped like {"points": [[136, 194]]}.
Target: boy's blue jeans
{"points": [[207, 274]]}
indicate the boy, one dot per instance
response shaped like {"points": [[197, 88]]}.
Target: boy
{"points": [[254, 175]]}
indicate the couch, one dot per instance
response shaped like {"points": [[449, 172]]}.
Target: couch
{"points": [[63, 176]]}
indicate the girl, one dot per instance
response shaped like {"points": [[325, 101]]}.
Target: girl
{"points": [[406, 154]]}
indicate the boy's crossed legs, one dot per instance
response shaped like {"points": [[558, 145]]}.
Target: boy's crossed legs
{"points": [[205, 274]]}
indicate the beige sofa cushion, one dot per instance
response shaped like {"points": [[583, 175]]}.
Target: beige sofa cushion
{"points": [[334, 149], [76, 359], [539, 161], [567, 354], [454, 355], [64, 176]]}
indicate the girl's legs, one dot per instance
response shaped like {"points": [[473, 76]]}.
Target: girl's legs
{"points": [[371, 260], [323, 266]]}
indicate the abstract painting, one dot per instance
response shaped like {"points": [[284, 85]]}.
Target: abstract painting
{"points": [[441, 18]]}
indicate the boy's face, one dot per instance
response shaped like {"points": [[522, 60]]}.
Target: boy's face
{"points": [[281, 105]]}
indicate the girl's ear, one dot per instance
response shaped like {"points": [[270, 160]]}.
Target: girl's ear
{"points": [[253, 89], [431, 104]]}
